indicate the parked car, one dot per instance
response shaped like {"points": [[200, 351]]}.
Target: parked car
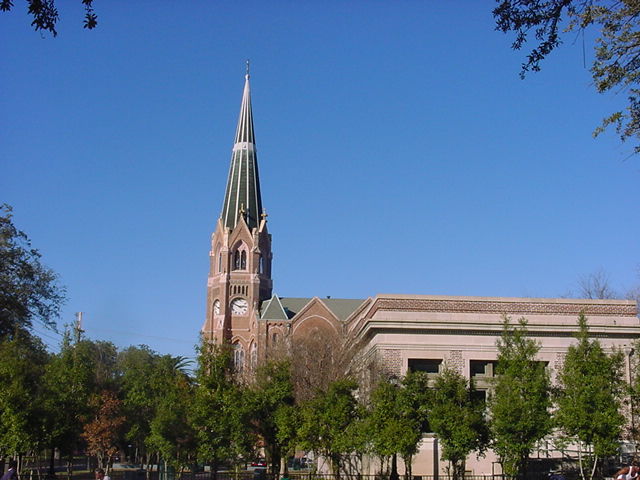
{"points": [[260, 462], [260, 473]]}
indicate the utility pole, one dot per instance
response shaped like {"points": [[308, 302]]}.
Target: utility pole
{"points": [[78, 326]]}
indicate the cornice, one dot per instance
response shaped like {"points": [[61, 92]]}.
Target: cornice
{"points": [[508, 306]]}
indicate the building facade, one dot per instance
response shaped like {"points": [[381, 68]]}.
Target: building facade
{"points": [[402, 332]]}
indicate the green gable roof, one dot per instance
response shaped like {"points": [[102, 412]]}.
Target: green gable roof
{"points": [[274, 308]]}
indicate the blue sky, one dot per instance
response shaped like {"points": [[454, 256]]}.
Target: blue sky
{"points": [[399, 152]]}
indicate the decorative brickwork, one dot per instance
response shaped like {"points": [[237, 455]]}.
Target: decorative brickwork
{"points": [[557, 366], [502, 307], [455, 361], [392, 362]]}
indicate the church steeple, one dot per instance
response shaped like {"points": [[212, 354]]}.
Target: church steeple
{"points": [[240, 256], [242, 197]]}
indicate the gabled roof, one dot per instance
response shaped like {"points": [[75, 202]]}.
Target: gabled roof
{"points": [[272, 309], [291, 306], [242, 196], [342, 307]]}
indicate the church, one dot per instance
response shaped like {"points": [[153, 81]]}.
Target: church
{"points": [[403, 332]]}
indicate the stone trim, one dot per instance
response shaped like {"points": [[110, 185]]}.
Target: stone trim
{"points": [[391, 362], [503, 307], [496, 332], [455, 361]]}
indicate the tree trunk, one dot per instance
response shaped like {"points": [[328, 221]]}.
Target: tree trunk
{"points": [[335, 465], [394, 467], [408, 466], [214, 468], [70, 466], [52, 460]]}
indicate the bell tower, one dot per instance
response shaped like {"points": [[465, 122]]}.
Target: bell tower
{"points": [[240, 257]]}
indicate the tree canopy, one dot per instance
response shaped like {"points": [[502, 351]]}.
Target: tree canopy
{"points": [[28, 290], [520, 404], [589, 401], [617, 48], [458, 419], [45, 14]]}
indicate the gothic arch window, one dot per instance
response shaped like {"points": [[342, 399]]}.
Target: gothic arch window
{"points": [[254, 355], [274, 338], [238, 356], [219, 262], [261, 264], [240, 257]]}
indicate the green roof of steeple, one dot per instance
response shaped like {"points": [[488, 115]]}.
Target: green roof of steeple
{"points": [[243, 186]]}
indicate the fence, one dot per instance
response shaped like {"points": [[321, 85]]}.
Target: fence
{"points": [[262, 475]]}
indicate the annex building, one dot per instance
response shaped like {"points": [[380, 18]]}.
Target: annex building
{"points": [[418, 332]]}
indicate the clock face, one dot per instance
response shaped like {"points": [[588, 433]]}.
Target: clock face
{"points": [[239, 306], [216, 307]]}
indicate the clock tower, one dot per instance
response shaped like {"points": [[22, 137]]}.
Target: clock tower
{"points": [[240, 257]]}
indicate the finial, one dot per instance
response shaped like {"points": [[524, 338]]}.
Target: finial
{"points": [[264, 214], [247, 75]]}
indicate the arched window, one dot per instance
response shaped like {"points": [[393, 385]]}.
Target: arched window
{"points": [[254, 355], [274, 338], [219, 262], [236, 260], [238, 356], [260, 265], [243, 260]]}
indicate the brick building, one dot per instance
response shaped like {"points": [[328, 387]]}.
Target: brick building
{"points": [[403, 332]]}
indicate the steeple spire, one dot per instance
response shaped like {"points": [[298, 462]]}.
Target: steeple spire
{"points": [[243, 185]]}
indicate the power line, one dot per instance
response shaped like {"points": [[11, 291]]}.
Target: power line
{"points": [[120, 332]]}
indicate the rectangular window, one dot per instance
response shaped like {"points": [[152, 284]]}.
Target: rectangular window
{"points": [[427, 365], [482, 368]]}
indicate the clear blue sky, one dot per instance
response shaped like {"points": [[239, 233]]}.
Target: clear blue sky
{"points": [[399, 153]]}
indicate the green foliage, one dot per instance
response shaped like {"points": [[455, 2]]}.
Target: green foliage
{"points": [[331, 423], [69, 381], [395, 420], [141, 389], [171, 433], [45, 14], [588, 403], [28, 289], [615, 67], [287, 420], [219, 413], [520, 402], [22, 364], [273, 390], [457, 419]]}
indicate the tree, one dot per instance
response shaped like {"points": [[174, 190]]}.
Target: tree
{"points": [[219, 414], [319, 359], [141, 388], [615, 66], [520, 403], [28, 289], [69, 381], [272, 390], [395, 420], [596, 286], [101, 433], [589, 402], [330, 424], [458, 419], [171, 433], [45, 14], [287, 419], [22, 364]]}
